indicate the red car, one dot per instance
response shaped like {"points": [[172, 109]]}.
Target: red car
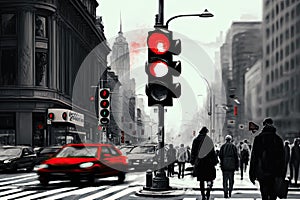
{"points": [[83, 161]]}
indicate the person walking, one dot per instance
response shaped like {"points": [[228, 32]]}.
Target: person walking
{"points": [[204, 160], [171, 158], [267, 160], [295, 160], [244, 157], [181, 158], [287, 155], [229, 162]]}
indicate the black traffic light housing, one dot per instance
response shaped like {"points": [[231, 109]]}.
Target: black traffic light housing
{"points": [[104, 106], [161, 68]]}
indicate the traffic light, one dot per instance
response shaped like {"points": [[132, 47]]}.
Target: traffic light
{"points": [[51, 116], [122, 137], [161, 68], [64, 115], [104, 106]]}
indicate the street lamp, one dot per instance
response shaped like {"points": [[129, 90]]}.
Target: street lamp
{"points": [[204, 14]]}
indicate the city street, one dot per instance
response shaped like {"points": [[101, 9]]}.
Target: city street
{"points": [[25, 186]]}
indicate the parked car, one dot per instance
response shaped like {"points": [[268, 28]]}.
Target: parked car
{"points": [[126, 149], [13, 158], [46, 153], [78, 162], [143, 157]]}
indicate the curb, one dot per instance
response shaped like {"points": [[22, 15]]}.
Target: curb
{"points": [[173, 192]]}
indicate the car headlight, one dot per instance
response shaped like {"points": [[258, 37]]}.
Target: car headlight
{"points": [[86, 165], [41, 166], [6, 161]]}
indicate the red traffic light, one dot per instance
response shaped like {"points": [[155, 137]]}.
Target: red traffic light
{"points": [[64, 116], [158, 43], [158, 69], [104, 93], [51, 116], [104, 104], [235, 110]]}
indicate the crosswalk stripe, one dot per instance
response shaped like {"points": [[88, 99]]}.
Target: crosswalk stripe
{"points": [[103, 193], [75, 192], [189, 199], [27, 183], [9, 192], [18, 180], [16, 177], [7, 187], [13, 196], [38, 195], [122, 193]]}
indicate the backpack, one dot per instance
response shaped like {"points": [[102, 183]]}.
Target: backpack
{"points": [[245, 155]]}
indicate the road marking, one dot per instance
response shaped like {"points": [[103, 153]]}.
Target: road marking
{"points": [[234, 198], [10, 191], [103, 193], [75, 192], [189, 199], [7, 187], [14, 196], [28, 183], [15, 177], [19, 180], [38, 195], [123, 193]]}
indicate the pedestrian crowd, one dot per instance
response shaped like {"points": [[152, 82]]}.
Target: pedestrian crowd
{"points": [[269, 158]]}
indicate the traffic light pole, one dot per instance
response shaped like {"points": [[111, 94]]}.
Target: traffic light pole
{"points": [[161, 181]]}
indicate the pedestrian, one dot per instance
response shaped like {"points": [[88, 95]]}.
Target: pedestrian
{"points": [[181, 158], [244, 157], [188, 151], [204, 159], [295, 160], [171, 158], [229, 162], [267, 160], [287, 155]]}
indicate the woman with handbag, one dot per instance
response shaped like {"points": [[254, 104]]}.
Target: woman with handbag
{"points": [[204, 159]]}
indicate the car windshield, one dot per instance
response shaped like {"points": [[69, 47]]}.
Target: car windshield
{"points": [[78, 152], [143, 149], [125, 149], [49, 150], [11, 151]]}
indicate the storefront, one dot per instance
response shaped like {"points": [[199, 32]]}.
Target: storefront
{"points": [[64, 127]]}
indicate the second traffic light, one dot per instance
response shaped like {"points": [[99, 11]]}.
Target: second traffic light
{"points": [[161, 68], [104, 106]]}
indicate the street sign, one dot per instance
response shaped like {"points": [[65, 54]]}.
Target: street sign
{"points": [[231, 121]]}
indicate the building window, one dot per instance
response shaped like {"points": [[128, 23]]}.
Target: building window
{"points": [[267, 63], [287, 2], [268, 49], [8, 24], [282, 6], [281, 54], [40, 26], [298, 10], [276, 43], [267, 79], [267, 32], [281, 38], [281, 70], [272, 77], [7, 129], [287, 34], [287, 50], [292, 47], [292, 31], [292, 63], [276, 74], [287, 16], [41, 69], [8, 66], [281, 22], [287, 66]]}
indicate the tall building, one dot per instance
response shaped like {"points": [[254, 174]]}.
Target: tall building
{"points": [[240, 50], [281, 65], [120, 63], [42, 47]]}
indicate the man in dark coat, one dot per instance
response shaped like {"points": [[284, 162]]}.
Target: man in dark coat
{"points": [[287, 152], [204, 159], [267, 160], [171, 158], [229, 162], [295, 160]]}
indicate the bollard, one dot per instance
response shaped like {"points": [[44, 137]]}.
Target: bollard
{"points": [[148, 178]]}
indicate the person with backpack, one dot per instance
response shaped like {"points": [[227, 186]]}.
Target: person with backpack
{"points": [[204, 160], [181, 157], [267, 160], [229, 162]]}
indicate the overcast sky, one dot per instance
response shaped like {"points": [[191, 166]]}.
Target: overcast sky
{"points": [[198, 36]]}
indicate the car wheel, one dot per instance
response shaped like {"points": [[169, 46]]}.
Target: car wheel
{"points": [[121, 177], [75, 180], [91, 180], [13, 168], [44, 181], [29, 169]]}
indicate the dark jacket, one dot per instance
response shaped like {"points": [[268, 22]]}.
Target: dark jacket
{"points": [[228, 155], [295, 154], [287, 153], [271, 164], [204, 159], [171, 155]]}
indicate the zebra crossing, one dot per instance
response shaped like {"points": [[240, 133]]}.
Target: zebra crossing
{"points": [[26, 187]]}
